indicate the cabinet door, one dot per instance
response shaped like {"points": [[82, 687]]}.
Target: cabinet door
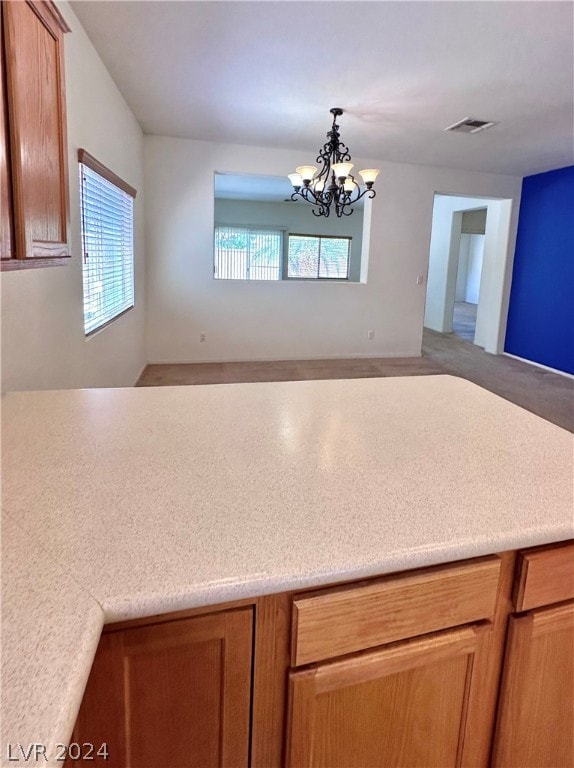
{"points": [[33, 36], [536, 711], [5, 194], [174, 694], [402, 705]]}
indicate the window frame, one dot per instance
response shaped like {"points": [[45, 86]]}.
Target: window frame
{"points": [[349, 240], [94, 165]]}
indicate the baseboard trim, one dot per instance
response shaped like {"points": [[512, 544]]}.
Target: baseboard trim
{"points": [[140, 375], [539, 365], [284, 359]]}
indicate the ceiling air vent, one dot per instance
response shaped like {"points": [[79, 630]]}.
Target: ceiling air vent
{"points": [[470, 125]]}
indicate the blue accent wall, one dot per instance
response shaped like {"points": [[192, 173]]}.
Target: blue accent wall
{"points": [[541, 312]]}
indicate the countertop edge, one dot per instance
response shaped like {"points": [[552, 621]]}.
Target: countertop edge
{"points": [[119, 610]]}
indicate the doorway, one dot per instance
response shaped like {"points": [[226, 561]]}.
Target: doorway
{"points": [[469, 272], [467, 276]]}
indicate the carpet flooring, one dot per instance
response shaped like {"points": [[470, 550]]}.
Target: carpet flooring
{"points": [[464, 320], [542, 392]]}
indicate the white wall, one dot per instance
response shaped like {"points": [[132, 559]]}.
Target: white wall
{"points": [[43, 343], [469, 267], [462, 271], [247, 320], [492, 311], [474, 267], [295, 218]]}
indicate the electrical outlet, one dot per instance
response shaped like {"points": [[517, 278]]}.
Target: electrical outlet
{"points": [[203, 336], [420, 279], [370, 335]]}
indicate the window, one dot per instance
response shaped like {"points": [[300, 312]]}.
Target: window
{"points": [[247, 253], [107, 243], [311, 256]]}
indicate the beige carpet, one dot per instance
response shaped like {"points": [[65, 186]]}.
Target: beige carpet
{"points": [[547, 394], [464, 320]]}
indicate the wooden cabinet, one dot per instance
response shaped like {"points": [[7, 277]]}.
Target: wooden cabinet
{"points": [[338, 621], [535, 726], [536, 715], [419, 697], [396, 671], [176, 693], [402, 705], [34, 168], [544, 575], [6, 217]]}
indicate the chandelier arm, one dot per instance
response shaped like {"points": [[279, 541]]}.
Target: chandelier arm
{"points": [[307, 194], [302, 195], [343, 206], [342, 153], [317, 197], [370, 192], [324, 160], [325, 151], [317, 202], [325, 168]]}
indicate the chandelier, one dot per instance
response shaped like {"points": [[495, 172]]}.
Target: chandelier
{"points": [[333, 183]]}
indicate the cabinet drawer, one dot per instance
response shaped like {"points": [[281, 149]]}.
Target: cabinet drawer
{"points": [[344, 620], [544, 575]]}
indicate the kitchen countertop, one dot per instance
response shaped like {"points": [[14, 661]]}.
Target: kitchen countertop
{"points": [[122, 503]]}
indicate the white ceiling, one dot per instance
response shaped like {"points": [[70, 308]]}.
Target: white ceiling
{"points": [[239, 186], [267, 73]]}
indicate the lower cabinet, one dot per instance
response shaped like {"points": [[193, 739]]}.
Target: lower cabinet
{"points": [[402, 705], [173, 694], [411, 670], [536, 713]]}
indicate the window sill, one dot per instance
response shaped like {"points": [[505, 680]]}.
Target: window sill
{"points": [[96, 331]]}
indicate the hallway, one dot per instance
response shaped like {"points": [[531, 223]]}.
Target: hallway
{"points": [[464, 320]]}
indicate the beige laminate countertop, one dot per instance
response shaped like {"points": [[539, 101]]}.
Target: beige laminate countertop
{"points": [[121, 503]]}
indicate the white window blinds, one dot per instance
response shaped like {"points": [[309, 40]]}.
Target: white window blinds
{"points": [[107, 241], [247, 253], [323, 258]]}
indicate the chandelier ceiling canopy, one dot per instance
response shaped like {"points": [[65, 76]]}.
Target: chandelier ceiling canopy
{"points": [[332, 185]]}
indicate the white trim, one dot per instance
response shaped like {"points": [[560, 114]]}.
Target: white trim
{"points": [[539, 365], [306, 358], [140, 374]]}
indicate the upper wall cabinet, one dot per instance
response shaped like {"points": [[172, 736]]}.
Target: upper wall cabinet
{"points": [[33, 153], [6, 218]]}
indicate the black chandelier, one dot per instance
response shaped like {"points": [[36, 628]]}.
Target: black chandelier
{"points": [[332, 184]]}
